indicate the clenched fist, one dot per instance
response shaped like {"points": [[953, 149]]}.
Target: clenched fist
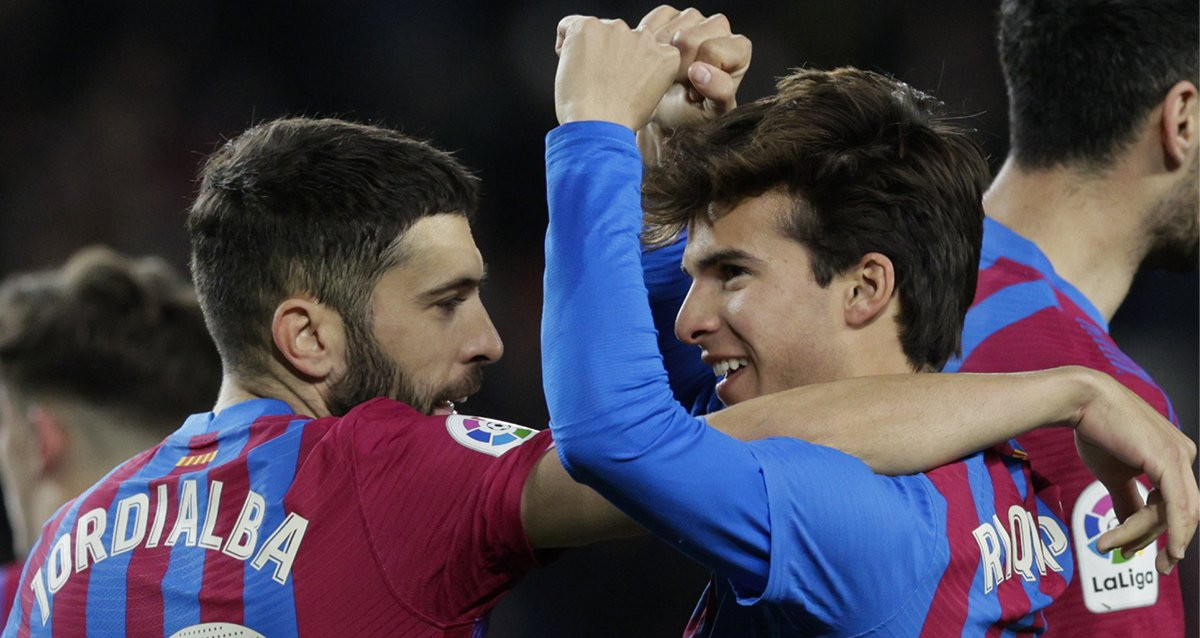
{"points": [[609, 72]]}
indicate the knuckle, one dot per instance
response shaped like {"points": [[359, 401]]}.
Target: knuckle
{"points": [[709, 48], [689, 40], [720, 19]]}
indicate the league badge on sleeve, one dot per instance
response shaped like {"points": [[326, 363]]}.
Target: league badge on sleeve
{"points": [[1111, 581], [487, 435]]}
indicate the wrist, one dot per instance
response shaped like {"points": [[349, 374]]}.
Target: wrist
{"points": [[1084, 389], [585, 113]]}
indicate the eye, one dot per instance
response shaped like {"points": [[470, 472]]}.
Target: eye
{"points": [[450, 304], [730, 272]]}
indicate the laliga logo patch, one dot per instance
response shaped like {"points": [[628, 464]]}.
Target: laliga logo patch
{"points": [[1111, 581], [486, 435]]}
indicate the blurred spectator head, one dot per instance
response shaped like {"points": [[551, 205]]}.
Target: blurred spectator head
{"points": [[99, 359]]}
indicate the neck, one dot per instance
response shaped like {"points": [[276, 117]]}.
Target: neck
{"points": [[875, 350], [303, 398], [1090, 226], [97, 440]]}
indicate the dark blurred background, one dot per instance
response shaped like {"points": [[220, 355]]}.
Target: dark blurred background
{"points": [[108, 108]]}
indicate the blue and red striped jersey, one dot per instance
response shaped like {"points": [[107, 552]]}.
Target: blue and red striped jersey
{"points": [[382, 522], [10, 579], [1026, 317], [991, 554]]}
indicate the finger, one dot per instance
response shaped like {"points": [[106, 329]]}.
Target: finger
{"points": [[688, 40], [1164, 563], [1179, 491], [1138, 531], [730, 53], [711, 83], [569, 24], [658, 18], [685, 19]]}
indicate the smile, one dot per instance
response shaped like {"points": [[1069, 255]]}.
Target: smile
{"points": [[728, 366]]}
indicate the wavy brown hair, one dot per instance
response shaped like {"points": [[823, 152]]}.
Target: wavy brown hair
{"points": [[871, 167]]}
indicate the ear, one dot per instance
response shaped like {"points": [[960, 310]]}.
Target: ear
{"points": [[871, 283], [309, 336], [1178, 125], [51, 439]]}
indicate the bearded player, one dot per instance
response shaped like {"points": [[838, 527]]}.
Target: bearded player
{"points": [[1086, 197]]}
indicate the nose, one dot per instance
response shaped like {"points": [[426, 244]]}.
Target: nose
{"points": [[484, 345], [696, 317]]}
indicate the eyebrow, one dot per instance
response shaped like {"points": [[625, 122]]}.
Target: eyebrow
{"points": [[721, 256]]}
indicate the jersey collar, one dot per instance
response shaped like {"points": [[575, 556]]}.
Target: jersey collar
{"points": [[239, 414], [1001, 241]]}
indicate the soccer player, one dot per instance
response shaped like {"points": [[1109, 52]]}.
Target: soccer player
{"points": [[834, 231], [98, 358], [336, 270], [1100, 180]]}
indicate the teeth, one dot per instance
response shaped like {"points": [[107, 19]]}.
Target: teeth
{"points": [[722, 368]]}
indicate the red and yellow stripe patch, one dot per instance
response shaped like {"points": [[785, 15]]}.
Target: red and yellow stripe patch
{"points": [[196, 459]]}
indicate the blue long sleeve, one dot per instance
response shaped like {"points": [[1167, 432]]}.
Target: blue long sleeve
{"points": [[617, 424]]}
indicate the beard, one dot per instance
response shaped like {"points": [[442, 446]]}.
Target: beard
{"points": [[1174, 229], [371, 374]]}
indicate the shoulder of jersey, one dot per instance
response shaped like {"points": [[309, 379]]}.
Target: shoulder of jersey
{"points": [[488, 436]]}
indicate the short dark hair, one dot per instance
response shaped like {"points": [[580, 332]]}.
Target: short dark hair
{"points": [[314, 206], [1083, 74], [869, 167], [112, 331]]}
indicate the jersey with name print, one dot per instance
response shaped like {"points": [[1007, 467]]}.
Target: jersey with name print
{"points": [[1027, 317], [255, 521]]}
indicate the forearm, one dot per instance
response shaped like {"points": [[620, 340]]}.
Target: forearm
{"points": [[617, 426], [938, 417]]}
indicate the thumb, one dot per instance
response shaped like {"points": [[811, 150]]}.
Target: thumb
{"points": [[714, 84]]}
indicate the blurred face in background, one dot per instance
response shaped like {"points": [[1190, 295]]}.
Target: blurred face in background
{"points": [[29, 500]]}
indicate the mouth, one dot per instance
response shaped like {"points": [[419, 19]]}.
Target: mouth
{"points": [[728, 368], [728, 371], [446, 407], [458, 392]]}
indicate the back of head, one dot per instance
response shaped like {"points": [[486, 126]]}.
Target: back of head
{"points": [[308, 206], [870, 168], [1083, 74], [114, 333]]}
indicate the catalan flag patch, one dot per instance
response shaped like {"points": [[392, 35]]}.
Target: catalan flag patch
{"points": [[193, 460]]}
